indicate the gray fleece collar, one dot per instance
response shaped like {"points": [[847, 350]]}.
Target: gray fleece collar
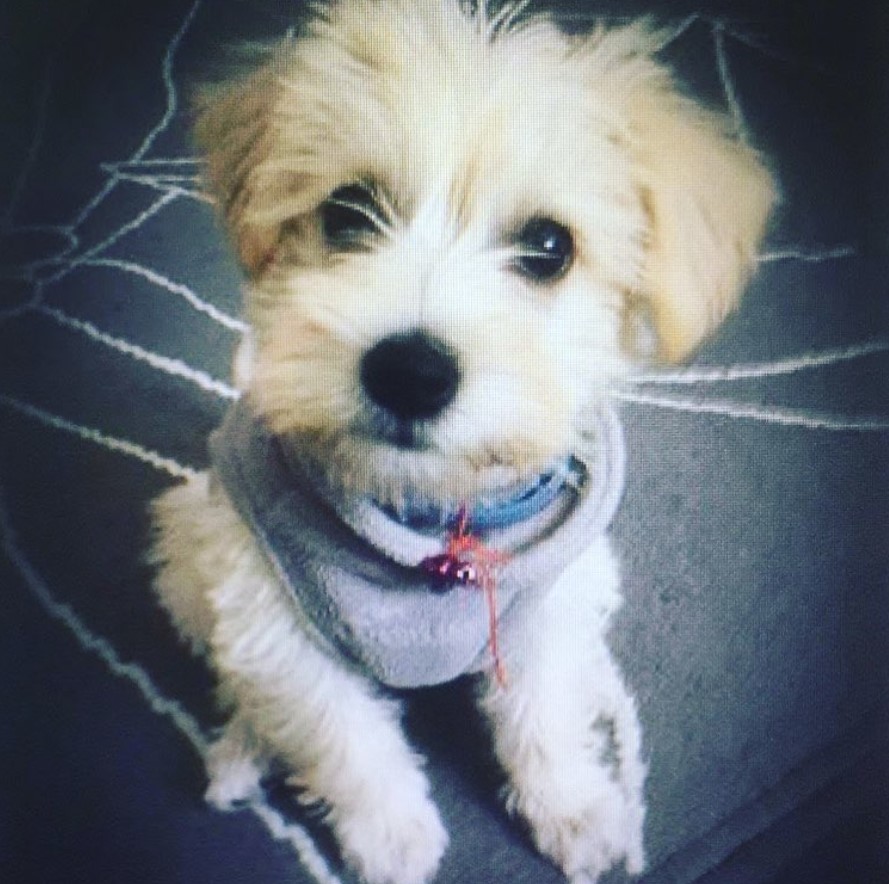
{"points": [[356, 571]]}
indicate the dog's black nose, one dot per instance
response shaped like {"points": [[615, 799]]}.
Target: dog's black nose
{"points": [[413, 375]]}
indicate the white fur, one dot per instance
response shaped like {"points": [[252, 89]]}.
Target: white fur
{"points": [[293, 702], [580, 789], [468, 124]]}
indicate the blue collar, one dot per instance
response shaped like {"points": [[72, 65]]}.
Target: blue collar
{"points": [[494, 511]]}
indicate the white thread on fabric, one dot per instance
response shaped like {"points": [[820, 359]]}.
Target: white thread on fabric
{"points": [[789, 417], [152, 161], [170, 105], [725, 373], [176, 288], [161, 202], [807, 255], [727, 82], [120, 446], [297, 837], [166, 364]]}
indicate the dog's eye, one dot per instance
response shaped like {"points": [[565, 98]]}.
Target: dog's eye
{"points": [[349, 215], [544, 250]]}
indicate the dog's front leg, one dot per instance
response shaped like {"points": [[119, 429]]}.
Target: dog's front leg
{"points": [[341, 742], [566, 730]]}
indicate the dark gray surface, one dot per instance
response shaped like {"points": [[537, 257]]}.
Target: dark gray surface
{"points": [[753, 532]]}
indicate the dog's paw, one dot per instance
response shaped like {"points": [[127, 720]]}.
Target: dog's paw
{"points": [[234, 771], [398, 839], [584, 823]]}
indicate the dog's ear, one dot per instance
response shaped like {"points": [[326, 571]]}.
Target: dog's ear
{"points": [[707, 196], [232, 131]]}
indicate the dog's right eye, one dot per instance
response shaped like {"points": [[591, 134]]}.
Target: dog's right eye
{"points": [[350, 215], [544, 250]]}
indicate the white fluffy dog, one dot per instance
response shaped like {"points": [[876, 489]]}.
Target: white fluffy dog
{"points": [[460, 228]]}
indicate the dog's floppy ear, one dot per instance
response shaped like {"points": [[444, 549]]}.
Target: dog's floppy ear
{"points": [[232, 132], [708, 197]]}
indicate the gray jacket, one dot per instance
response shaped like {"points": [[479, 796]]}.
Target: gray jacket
{"points": [[356, 569]]}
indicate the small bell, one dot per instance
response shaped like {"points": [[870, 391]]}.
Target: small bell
{"points": [[468, 562], [446, 570]]}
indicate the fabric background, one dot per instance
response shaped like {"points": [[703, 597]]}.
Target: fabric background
{"points": [[753, 532]]}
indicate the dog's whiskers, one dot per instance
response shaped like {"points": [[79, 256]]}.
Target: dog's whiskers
{"points": [[504, 19]]}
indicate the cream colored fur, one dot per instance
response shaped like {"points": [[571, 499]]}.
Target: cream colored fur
{"points": [[468, 124]]}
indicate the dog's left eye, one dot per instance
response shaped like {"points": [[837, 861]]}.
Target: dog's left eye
{"points": [[544, 250], [349, 215]]}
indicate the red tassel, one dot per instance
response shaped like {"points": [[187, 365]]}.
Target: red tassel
{"points": [[469, 562]]}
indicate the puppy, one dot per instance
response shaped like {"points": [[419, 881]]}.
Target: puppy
{"points": [[460, 228]]}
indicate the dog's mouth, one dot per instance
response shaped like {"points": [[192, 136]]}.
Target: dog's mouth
{"points": [[402, 435]]}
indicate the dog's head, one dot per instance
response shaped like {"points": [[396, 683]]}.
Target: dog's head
{"points": [[460, 227]]}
